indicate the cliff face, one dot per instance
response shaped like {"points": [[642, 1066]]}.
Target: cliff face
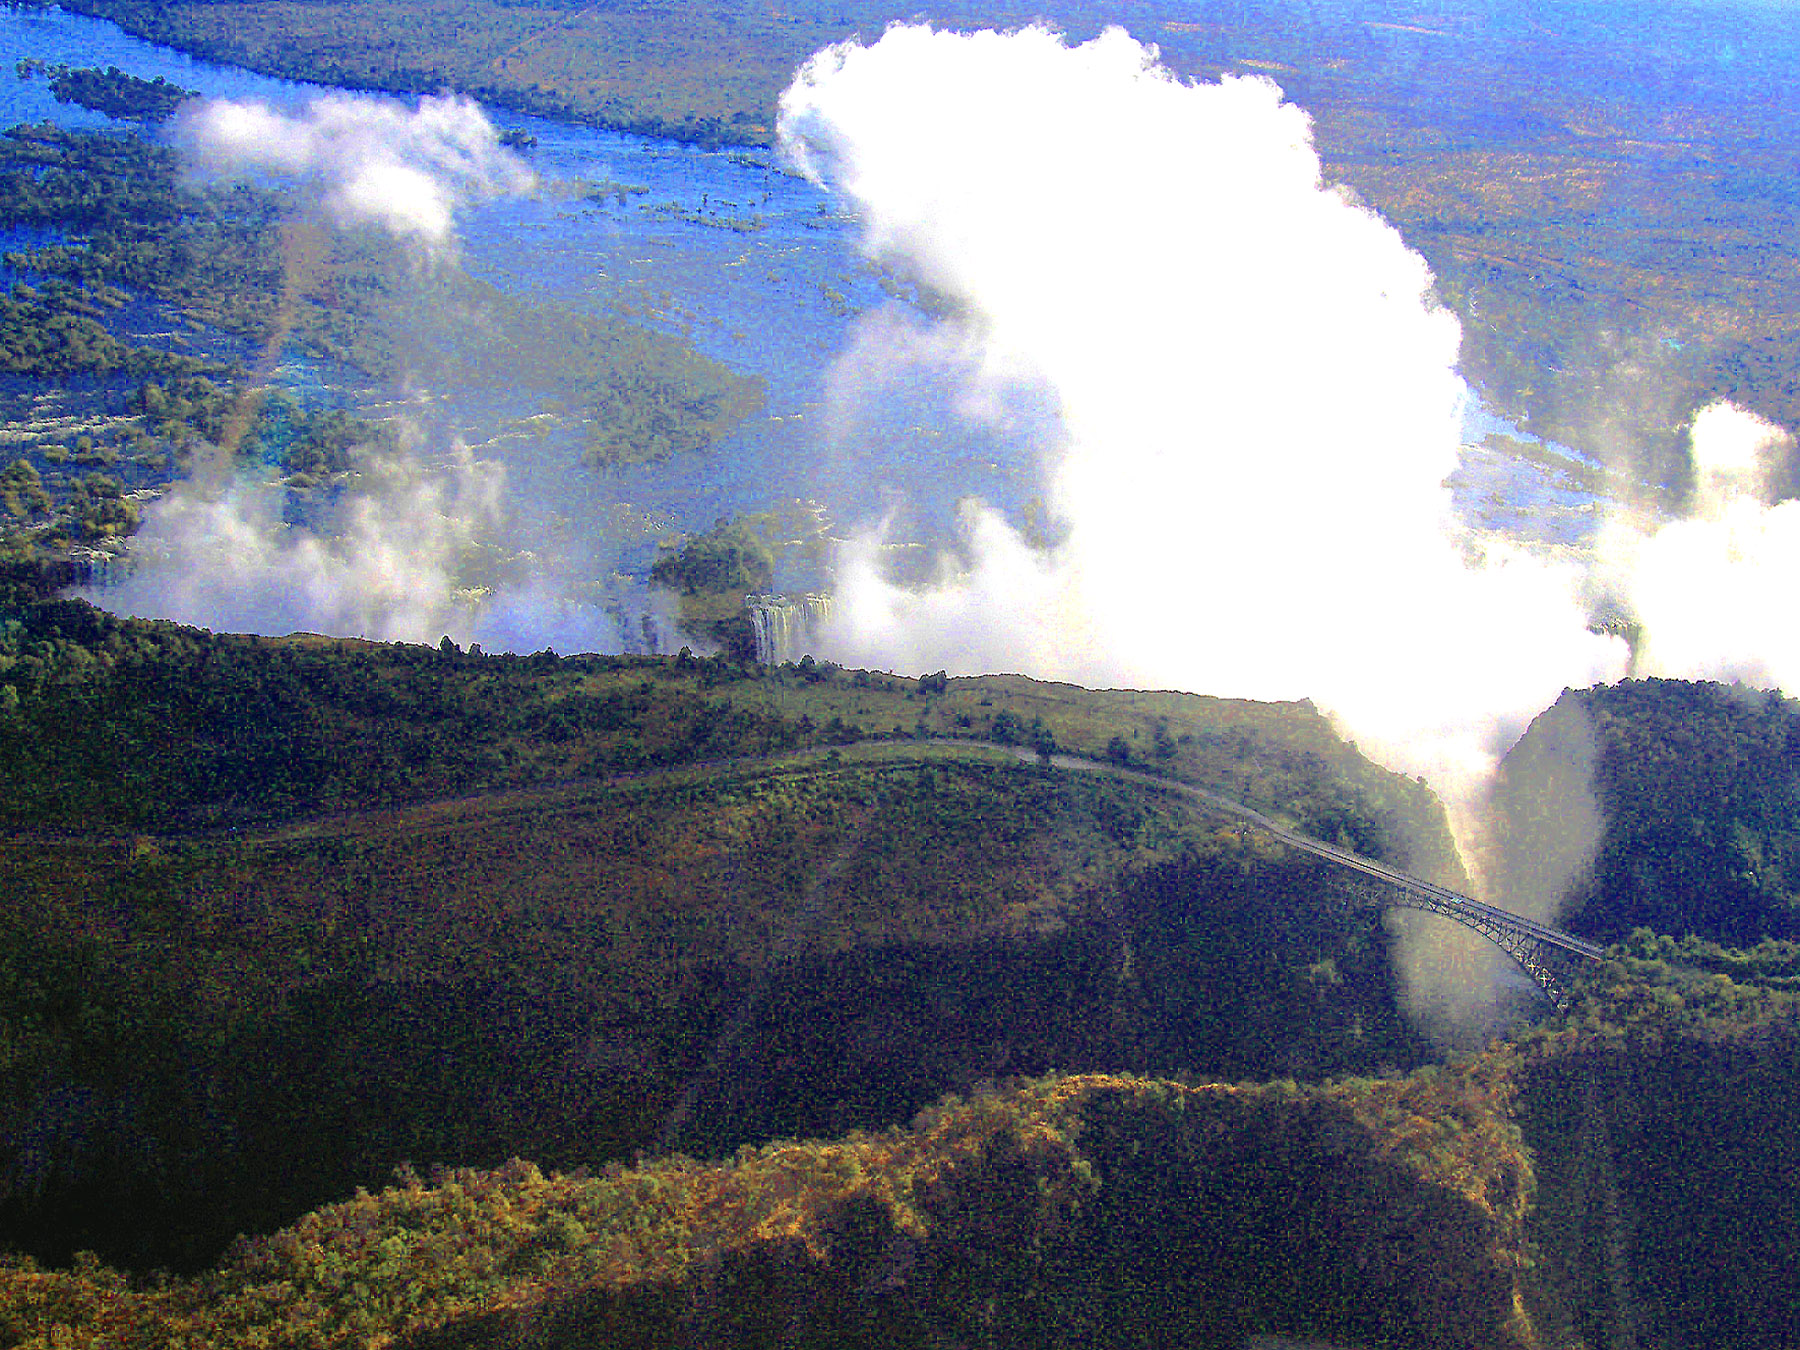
{"points": [[1661, 1112], [1662, 1116], [1664, 804], [1669, 1211]]}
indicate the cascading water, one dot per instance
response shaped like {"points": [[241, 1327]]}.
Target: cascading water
{"points": [[99, 566], [784, 625]]}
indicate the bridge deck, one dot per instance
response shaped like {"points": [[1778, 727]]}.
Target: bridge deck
{"points": [[1440, 895]]}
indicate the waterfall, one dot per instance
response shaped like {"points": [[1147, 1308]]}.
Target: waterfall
{"points": [[785, 625], [98, 567]]}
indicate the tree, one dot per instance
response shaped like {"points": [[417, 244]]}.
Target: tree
{"points": [[22, 490], [727, 557], [1008, 728]]}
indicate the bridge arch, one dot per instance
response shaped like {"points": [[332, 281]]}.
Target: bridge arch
{"points": [[1553, 967], [1550, 957]]}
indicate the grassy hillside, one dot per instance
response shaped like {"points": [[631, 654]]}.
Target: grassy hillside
{"points": [[119, 724]]}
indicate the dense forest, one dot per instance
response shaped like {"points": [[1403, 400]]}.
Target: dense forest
{"points": [[1693, 790], [293, 914], [135, 724], [1622, 1173], [275, 895], [1662, 1119], [1098, 1210]]}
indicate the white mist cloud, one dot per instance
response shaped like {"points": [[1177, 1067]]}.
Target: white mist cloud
{"points": [[421, 541], [1259, 400], [219, 554], [1713, 590], [371, 161]]}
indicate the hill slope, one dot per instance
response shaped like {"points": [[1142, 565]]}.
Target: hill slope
{"points": [[1672, 805], [1096, 1211], [292, 912]]}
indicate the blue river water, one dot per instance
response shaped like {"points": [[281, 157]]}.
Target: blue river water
{"points": [[777, 302]]}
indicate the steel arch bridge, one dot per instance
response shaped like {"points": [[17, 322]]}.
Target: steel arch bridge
{"points": [[1550, 957]]}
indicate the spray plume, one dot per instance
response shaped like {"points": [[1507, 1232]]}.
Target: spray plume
{"points": [[370, 161], [384, 557], [219, 553], [1256, 408], [1711, 591], [1257, 393]]}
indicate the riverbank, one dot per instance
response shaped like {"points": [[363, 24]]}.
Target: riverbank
{"points": [[646, 73]]}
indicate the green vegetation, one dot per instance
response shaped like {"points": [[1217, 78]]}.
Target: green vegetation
{"points": [[654, 397], [53, 333], [213, 259], [1079, 1210], [728, 557], [336, 991], [1697, 787], [1645, 1186], [1661, 1112], [608, 190], [230, 877], [1662, 1115], [637, 394], [111, 91], [225, 258], [212, 254], [289, 915], [286, 916], [710, 219], [22, 491], [711, 573], [1604, 236], [127, 724], [716, 72]]}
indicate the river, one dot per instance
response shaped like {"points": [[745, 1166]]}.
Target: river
{"points": [[779, 302]]}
